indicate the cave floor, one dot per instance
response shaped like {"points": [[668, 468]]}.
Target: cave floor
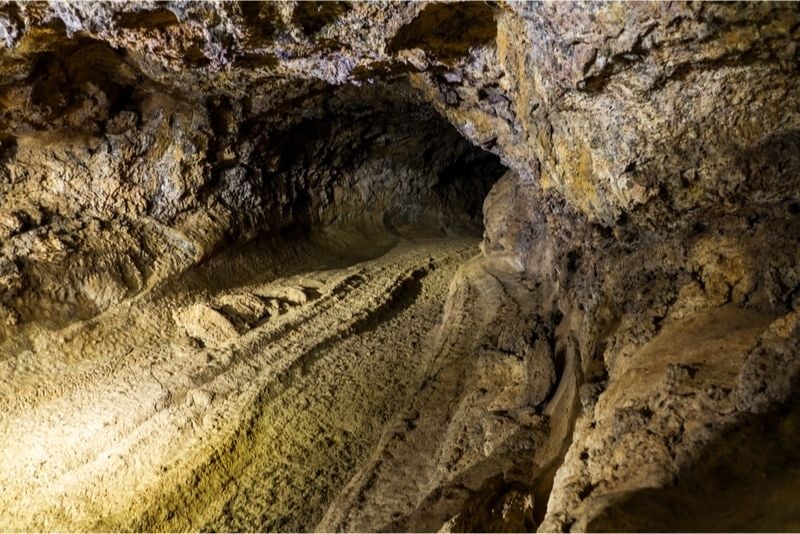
{"points": [[240, 396]]}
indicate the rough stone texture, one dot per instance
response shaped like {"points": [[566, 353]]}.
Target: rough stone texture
{"points": [[631, 326]]}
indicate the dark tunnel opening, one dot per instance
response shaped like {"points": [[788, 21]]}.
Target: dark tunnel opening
{"points": [[360, 155]]}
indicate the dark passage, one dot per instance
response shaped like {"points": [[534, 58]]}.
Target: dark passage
{"points": [[372, 153]]}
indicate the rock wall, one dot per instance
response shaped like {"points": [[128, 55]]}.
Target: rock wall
{"points": [[652, 188]]}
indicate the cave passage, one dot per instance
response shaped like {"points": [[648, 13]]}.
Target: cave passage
{"points": [[248, 391], [370, 153]]}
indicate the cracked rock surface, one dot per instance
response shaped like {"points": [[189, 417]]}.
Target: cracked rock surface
{"points": [[429, 266]]}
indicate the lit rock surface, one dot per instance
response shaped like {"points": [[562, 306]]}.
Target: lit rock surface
{"points": [[242, 285]]}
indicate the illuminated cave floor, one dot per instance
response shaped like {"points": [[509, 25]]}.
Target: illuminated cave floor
{"points": [[247, 394]]}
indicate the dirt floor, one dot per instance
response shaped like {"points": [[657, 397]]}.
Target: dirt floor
{"points": [[243, 395]]}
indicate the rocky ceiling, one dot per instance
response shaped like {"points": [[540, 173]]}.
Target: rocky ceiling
{"points": [[243, 284]]}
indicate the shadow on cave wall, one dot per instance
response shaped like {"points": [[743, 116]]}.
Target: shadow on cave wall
{"points": [[447, 31], [770, 169], [747, 480]]}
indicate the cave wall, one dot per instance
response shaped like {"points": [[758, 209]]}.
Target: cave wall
{"points": [[653, 177], [106, 143]]}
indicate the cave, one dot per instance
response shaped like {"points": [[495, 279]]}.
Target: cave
{"points": [[431, 266]]}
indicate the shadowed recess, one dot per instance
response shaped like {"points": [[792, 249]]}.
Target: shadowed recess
{"points": [[447, 31], [740, 482]]}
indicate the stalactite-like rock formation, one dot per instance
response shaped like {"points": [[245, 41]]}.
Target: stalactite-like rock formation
{"points": [[487, 266]]}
